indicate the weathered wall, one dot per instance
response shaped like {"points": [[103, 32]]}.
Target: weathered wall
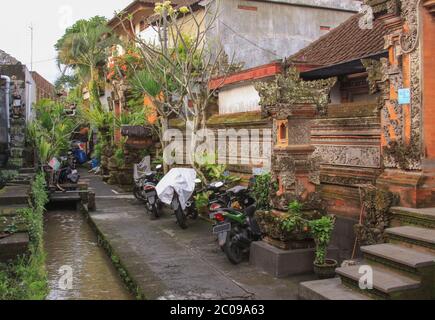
{"points": [[242, 98], [348, 142], [251, 151], [44, 89], [429, 84], [3, 120], [258, 32]]}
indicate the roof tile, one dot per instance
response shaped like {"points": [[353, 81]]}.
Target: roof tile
{"points": [[347, 42]]}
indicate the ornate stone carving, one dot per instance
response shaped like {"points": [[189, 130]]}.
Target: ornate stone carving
{"points": [[393, 115], [376, 204], [344, 180], [314, 169], [288, 90], [409, 39], [384, 6], [374, 70], [356, 156], [299, 131]]}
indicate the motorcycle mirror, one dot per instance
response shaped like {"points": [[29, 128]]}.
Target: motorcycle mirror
{"points": [[219, 184]]}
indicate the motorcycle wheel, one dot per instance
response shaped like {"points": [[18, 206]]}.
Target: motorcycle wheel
{"points": [[181, 218], [194, 214], [155, 212], [137, 193], [232, 250]]}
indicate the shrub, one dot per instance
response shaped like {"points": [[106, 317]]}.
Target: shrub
{"points": [[262, 190]]}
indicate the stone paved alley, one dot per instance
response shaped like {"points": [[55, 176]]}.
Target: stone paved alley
{"points": [[166, 262]]}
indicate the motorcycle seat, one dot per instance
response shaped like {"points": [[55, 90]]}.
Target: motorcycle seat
{"points": [[238, 190], [145, 175]]}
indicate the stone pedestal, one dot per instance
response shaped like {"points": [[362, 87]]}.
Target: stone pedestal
{"points": [[415, 188], [280, 263]]}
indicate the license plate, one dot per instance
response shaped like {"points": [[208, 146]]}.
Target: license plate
{"points": [[222, 228], [222, 238]]}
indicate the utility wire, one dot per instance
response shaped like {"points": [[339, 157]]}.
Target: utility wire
{"points": [[250, 41], [46, 60]]}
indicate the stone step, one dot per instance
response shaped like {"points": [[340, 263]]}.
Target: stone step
{"points": [[11, 195], [65, 197], [406, 259], [415, 217], [421, 237], [385, 281], [13, 224], [11, 210], [13, 246], [30, 171], [330, 289]]}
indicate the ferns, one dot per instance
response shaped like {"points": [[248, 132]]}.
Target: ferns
{"points": [[50, 132]]}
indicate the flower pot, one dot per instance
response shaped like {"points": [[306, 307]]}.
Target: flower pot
{"points": [[327, 270]]}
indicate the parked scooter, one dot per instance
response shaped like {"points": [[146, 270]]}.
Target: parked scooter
{"points": [[61, 173], [219, 198], [237, 197], [190, 212], [145, 191], [237, 228]]}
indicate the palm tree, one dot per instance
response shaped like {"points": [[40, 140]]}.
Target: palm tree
{"points": [[85, 50]]}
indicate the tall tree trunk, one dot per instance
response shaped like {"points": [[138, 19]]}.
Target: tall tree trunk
{"points": [[164, 128], [94, 95]]}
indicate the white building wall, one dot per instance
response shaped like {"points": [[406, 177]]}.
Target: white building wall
{"points": [[239, 99]]}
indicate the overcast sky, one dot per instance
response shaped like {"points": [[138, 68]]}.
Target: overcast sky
{"points": [[50, 19]]}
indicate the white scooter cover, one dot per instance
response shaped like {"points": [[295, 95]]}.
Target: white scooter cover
{"points": [[180, 180]]}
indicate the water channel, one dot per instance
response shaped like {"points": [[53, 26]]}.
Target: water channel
{"points": [[73, 254]]}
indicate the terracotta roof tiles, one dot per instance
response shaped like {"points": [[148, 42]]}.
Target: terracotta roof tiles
{"points": [[345, 43]]}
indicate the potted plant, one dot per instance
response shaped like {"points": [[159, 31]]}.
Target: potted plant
{"points": [[202, 201], [321, 230]]}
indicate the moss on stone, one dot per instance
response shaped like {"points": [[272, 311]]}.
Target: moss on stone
{"points": [[236, 118], [177, 123]]}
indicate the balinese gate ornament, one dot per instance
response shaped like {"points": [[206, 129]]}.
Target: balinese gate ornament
{"points": [[293, 103], [408, 151]]}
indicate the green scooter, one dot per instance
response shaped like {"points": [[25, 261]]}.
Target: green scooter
{"points": [[236, 230]]}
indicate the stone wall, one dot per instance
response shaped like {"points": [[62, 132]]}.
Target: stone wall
{"points": [[244, 156], [3, 120], [347, 140], [18, 89]]}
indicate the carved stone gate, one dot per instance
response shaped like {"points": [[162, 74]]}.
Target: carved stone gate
{"points": [[293, 104]]}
